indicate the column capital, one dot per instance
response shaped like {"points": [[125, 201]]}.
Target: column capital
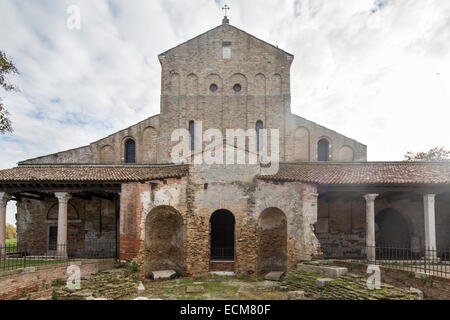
{"points": [[371, 197], [429, 196], [63, 196], [4, 198]]}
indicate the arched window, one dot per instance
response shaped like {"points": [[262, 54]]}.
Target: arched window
{"points": [[323, 150], [259, 126], [130, 151], [192, 134]]}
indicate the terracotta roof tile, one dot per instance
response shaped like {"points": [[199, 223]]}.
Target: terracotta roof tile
{"points": [[364, 173], [91, 173]]}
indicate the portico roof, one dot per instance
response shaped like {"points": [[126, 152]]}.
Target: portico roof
{"points": [[91, 173], [364, 173]]}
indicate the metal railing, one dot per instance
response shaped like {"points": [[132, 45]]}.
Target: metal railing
{"points": [[428, 261], [21, 255], [222, 253]]}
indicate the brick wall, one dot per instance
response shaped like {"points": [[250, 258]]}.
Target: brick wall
{"points": [[18, 283]]}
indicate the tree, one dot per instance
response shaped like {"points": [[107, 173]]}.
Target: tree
{"points": [[435, 154], [11, 232], [6, 67]]}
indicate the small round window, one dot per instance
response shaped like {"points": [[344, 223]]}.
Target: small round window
{"points": [[237, 87], [213, 88]]}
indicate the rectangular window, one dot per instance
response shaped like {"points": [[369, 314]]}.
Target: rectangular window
{"points": [[226, 50]]}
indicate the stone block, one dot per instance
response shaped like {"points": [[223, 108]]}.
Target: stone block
{"points": [[322, 282], [164, 274], [417, 292], [195, 289], [329, 271], [420, 275], [296, 295], [274, 275], [141, 288]]}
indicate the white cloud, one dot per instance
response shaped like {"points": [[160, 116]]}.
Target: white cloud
{"points": [[374, 70]]}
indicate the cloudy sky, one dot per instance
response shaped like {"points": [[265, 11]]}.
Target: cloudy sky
{"points": [[377, 71]]}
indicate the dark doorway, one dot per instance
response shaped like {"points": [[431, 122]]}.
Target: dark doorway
{"points": [[52, 238], [222, 235], [392, 229]]}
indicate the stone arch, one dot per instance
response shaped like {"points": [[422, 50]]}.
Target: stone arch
{"points": [[213, 78], [174, 87], [164, 240], [301, 144], [324, 149], [107, 154], [276, 84], [392, 229], [346, 154], [149, 138], [260, 84], [129, 150], [237, 78], [222, 225], [192, 85], [72, 212], [272, 241]]}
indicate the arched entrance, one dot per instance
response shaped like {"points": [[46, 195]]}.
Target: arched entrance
{"points": [[272, 246], [391, 229], [164, 240], [222, 235]]}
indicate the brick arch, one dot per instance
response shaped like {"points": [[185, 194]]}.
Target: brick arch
{"points": [[393, 228], [72, 212], [272, 241], [237, 78], [174, 85], [260, 84], [107, 154], [276, 84], [330, 147], [213, 78], [346, 154], [164, 240], [191, 87]]}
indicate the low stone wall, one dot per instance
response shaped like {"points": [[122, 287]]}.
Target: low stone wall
{"points": [[17, 283]]}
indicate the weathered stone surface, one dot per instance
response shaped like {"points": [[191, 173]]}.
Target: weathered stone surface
{"points": [[322, 282], [330, 271], [417, 292], [195, 289], [420, 275], [274, 275], [296, 295], [141, 298], [164, 274], [141, 288]]}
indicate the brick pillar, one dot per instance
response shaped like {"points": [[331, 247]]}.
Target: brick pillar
{"points": [[63, 199], [4, 198], [370, 225], [430, 225]]}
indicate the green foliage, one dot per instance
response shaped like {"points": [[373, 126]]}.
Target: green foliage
{"points": [[6, 67], [435, 154], [11, 231]]}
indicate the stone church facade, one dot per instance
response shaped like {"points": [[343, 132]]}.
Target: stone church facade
{"points": [[326, 200]]}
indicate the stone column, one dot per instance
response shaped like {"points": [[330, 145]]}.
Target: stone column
{"points": [[4, 198], [63, 199], [370, 225], [430, 225]]}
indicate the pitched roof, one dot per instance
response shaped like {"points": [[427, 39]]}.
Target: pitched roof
{"points": [[364, 173], [91, 173]]}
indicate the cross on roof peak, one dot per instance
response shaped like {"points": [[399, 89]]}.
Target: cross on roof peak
{"points": [[225, 18]]}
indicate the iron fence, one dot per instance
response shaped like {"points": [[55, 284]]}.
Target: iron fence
{"points": [[21, 255], [222, 253], [428, 261]]}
